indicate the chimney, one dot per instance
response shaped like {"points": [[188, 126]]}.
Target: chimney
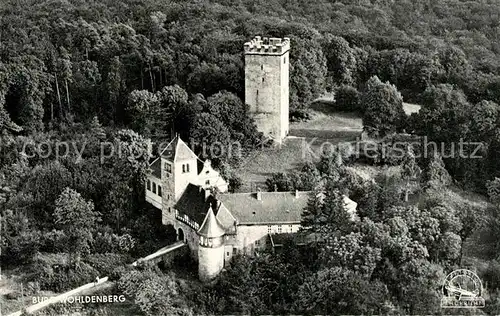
{"points": [[296, 193], [259, 195]]}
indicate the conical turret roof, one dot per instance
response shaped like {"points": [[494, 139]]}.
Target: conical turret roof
{"points": [[211, 227]]}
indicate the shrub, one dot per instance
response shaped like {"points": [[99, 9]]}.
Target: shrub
{"points": [[112, 243], [299, 115], [106, 263], [491, 276], [52, 241], [61, 277], [347, 98]]}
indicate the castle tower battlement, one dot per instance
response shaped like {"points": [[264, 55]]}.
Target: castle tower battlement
{"points": [[267, 67], [267, 46]]}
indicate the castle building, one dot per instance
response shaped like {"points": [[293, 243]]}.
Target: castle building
{"points": [[193, 197], [216, 224], [267, 65]]}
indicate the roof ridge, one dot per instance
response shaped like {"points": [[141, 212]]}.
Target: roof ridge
{"points": [[176, 136], [266, 192]]}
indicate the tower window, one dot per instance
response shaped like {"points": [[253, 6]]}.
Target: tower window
{"points": [[154, 187], [257, 92], [168, 167], [284, 60], [263, 79], [261, 67], [159, 190]]}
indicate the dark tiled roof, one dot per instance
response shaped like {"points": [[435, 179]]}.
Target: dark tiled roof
{"points": [[274, 207], [226, 219], [177, 150], [193, 203], [156, 168]]}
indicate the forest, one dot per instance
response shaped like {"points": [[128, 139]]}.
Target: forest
{"points": [[132, 73]]}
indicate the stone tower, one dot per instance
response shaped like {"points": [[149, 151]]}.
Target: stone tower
{"points": [[179, 166], [267, 66], [211, 247]]}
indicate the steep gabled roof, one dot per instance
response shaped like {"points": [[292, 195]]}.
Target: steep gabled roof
{"points": [[155, 167], [211, 227], [177, 150], [194, 203]]}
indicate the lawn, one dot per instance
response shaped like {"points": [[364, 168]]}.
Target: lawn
{"points": [[305, 141], [326, 127]]}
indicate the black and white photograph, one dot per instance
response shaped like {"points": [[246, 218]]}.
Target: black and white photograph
{"points": [[249, 157]]}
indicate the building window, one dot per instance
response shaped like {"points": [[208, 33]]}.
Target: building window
{"points": [[269, 229], [183, 168], [261, 67], [168, 167], [284, 60], [159, 190], [257, 242], [207, 182], [291, 228], [279, 229], [235, 251], [263, 79], [227, 254], [257, 92], [169, 210], [187, 167], [148, 185], [154, 187]]}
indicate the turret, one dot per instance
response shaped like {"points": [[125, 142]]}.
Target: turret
{"points": [[211, 247]]}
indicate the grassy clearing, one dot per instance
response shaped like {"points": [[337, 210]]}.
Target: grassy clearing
{"points": [[304, 144]]}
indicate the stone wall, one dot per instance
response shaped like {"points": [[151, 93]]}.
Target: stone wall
{"points": [[248, 235], [210, 262]]}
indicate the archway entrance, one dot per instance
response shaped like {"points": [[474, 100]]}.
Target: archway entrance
{"points": [[180, 234]]}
